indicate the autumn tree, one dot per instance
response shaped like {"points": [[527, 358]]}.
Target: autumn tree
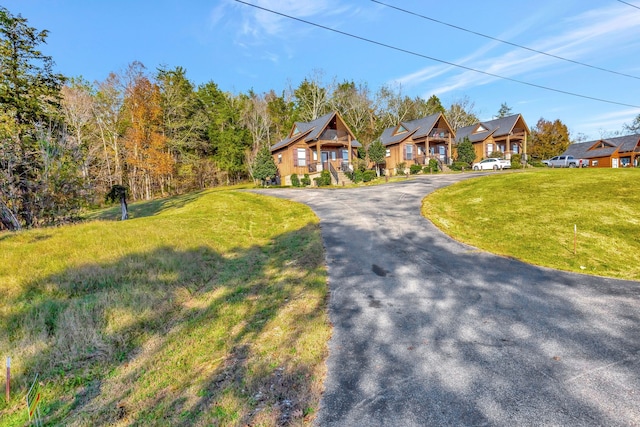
{"points": [[548, 139], [353, 102], [29, 101], [462, 113], [149, 162]]}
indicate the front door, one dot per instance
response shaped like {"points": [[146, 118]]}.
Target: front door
{"points": [[614, 163], [325, 160]]}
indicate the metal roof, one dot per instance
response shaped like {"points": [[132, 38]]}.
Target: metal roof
{"points": [[416, 128]]}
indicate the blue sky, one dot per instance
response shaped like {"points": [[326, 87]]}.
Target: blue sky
{"points": [[241, 48]]}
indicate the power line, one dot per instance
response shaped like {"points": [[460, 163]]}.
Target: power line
{"points": [[436, 59], [507, 42], [629, 4]]}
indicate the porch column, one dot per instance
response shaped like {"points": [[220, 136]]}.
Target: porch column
{"points": [[319, 155], [427, 153], [349, 140], [450, 151], [508, 147], [524, 149]]}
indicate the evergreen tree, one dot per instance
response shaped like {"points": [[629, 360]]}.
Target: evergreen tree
{"points": [[377, 153], [434, 105], [29, 107], [504, 111], [264, 167], [465, 150]]}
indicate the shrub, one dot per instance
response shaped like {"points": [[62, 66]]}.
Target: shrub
{"points": [[400, 167], [355, 176], [496, 155], [324, 179], [458, 166], [295, 181], [433, 165], [516, 161], [537, 163], [369, 175], [414, 169], [306, 181]]}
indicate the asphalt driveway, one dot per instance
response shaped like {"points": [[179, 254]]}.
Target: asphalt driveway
{"points": [[431, 332]]}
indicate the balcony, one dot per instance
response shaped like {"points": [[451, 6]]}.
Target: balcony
{"points": [[334, 135]]}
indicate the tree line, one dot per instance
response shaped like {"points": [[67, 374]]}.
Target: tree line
{"points": [[66, 142]]}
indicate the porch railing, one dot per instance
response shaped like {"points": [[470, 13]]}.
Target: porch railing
{"points": [[333, 135], [334, 172]]}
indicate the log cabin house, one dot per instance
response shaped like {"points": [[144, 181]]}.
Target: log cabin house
{"points": [[507, 135], [417, 141], [325, 143], [622, 151]]}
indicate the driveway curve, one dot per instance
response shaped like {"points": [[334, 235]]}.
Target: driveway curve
{"points": [[432, 332]]}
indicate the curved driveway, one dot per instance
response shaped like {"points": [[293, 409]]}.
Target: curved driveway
{"points": [[432, 332]]}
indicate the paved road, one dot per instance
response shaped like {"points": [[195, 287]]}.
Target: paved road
{"points": [[431, 332]]}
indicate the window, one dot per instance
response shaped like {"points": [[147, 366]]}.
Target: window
{"points": [[401, 129], [387, 153], [594, 163], [514, 148], [333, 155], [302, 157], [489, 149], [345, 155], [408, 149], [315, 156], [279, 158]]}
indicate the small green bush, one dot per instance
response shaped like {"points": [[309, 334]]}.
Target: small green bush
{"points": [[516, 161], [400, 167], [369, 175], [433, 165], [414, 169], [295, 181], [306, 181], [355, 176], [458, 166]]}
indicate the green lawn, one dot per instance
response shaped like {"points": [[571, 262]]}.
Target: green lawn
{"points": [[531, 216], [204, 309]]}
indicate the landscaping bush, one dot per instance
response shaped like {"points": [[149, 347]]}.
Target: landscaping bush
{"points": [[400, 167], [355, 176], [414, 169], [516, 161], [433, 165], [306, 181], [458, 166], [324, 179], [369, 175], [295, 181]]}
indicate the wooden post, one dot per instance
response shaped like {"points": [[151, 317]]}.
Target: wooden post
{"points": [[8, 387], [575, 238]]}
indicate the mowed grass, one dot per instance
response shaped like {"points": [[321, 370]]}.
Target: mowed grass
{"points": [[531, 216], [204, 309]]}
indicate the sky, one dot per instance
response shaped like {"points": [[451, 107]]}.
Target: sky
{"points": [[240, 47]]}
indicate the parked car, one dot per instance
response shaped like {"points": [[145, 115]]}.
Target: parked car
{"points": [[491, 163], [566, 162]]}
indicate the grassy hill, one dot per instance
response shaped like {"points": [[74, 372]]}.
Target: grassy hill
{"points": [[205, 309], [531, 216]]}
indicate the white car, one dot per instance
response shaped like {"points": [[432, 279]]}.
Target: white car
{"points": [[491, 164]]}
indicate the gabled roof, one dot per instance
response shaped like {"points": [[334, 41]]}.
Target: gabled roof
{"points": [[502, 126], [591, 149], [416, 128], [310, 131]]}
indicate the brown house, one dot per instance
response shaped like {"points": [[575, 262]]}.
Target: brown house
{"points": [[507, 135], [622, 151], [417, 141], [325, 143]]}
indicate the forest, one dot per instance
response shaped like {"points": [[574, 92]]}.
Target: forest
{"points": [[66, 142]]}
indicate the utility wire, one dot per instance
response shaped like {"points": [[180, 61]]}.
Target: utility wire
{"points": [[436, 59], [508, 42], [629, 4]]}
